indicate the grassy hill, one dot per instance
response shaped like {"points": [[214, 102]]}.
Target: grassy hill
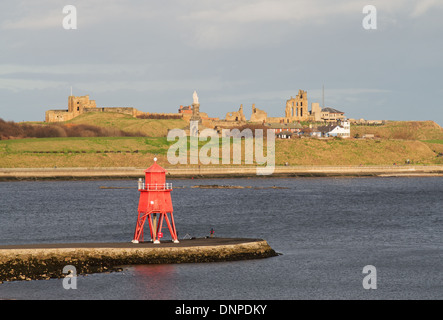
{"points": [[147, 127], [420, 142], [92, 125], [139, 152], [404, 130], [81, 152], [354, 152], [427, 132]]}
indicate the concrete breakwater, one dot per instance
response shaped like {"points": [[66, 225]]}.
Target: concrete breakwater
{"points": [[45, 261], [221, 172]]}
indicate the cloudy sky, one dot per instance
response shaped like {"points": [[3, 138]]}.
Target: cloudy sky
{"points": [[152, 55]]}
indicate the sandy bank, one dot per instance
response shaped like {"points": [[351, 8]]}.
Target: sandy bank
{"points": [[219, 172]]}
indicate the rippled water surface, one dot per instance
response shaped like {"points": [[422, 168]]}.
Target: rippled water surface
{"points": [[327, 230]]}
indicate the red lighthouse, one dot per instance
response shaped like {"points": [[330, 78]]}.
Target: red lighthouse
{"points": [[154, 205]]}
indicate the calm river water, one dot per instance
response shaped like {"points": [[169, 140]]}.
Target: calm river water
{"points": [[327, 229]]}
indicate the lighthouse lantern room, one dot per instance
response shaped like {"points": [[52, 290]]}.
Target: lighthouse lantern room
{"points": [[154, 205]]}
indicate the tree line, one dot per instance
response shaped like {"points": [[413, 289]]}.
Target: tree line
{"points": [[12, 130]]}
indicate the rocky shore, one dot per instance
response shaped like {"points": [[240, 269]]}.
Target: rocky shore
{"points": [[33, 262]]}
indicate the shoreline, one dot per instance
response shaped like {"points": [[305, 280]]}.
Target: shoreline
{"points": [[221, 172], [46, 261]]}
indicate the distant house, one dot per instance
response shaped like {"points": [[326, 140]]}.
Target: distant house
{"points": [[285, 135], [293, 127], [324, 130], [315, 133], [311, 132], [185, 109], [332, 115], [342, 130]]}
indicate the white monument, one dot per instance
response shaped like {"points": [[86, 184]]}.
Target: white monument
{"points": [[195, 97], [196, 109]]}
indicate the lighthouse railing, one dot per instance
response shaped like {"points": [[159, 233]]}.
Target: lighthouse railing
{"points": [[153, 186]]}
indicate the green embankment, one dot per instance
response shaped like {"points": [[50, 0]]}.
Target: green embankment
{"points": [[420, 142], [403, 130], [147, 127], [138, 152]]}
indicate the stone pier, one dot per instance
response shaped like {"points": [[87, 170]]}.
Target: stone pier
{"points": [[45, 261]]}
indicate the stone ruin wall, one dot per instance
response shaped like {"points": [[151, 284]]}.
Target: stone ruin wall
{"points": [[236, 115], [258, 115], [58, 115], [124, 110]]}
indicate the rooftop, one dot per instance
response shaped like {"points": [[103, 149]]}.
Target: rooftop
{"points": [[331, 110], [293, 125]]}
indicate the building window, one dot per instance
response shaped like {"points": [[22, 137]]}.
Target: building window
{"points": [[78, 108]]}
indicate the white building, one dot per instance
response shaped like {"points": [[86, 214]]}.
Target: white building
{"points": [[343, 131]]}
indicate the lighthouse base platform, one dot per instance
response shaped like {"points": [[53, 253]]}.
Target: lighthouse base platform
{"points": [[45, 261]]}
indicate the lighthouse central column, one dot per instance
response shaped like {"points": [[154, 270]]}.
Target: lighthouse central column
{"points": [[155, 228]]}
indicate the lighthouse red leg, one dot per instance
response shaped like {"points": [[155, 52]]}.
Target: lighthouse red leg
{"points": [[173, 226], [171, 229], [138, 234]]}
